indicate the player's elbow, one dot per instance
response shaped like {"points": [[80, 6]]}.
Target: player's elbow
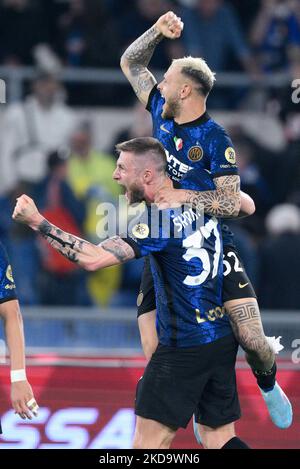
{"points": [[251, 207], [89, 266], [124, 64]]}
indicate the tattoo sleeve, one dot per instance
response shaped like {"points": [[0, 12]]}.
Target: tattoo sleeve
{"points": [[119, 248], [247, 327], [135, 60], [223, 202], [87, 255]]}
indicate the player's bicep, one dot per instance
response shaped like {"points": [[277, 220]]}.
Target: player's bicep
{"points": [[140, 78], [113, 251]]}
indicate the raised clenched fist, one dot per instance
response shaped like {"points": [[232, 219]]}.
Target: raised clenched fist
{"points": [[170, 25], [26, 211]]}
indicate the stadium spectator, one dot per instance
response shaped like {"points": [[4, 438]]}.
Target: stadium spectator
{"points": [[87, 35], [280, 259], [252, 181], [276, 35], [22, 27], [90, 176], [141, 126], [60, 281], [33, 128], [212, 31]]}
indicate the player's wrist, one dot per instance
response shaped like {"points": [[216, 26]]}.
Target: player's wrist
{"points": [[35, 221], [158, 30], [18, 375]]}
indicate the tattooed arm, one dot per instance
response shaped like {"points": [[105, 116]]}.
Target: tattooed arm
{"points": [[224, 201], [89, 256], [247, 206], [137, 56]]}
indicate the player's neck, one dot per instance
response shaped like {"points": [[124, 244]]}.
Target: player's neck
{"points": [[190, 111], [153, 188]]}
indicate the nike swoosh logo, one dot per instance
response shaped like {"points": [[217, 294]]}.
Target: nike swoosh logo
{"points": [[243, 285], [162, 127]]}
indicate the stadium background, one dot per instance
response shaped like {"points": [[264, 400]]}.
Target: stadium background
{"points": [[65, 103]]}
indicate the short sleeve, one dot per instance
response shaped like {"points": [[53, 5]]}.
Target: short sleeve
{"points": [[7, 284], [150, 235], [155, 102], [222, 154]]}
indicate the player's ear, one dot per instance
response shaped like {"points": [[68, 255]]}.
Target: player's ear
{"points": [[147, 176], [185, 91]]}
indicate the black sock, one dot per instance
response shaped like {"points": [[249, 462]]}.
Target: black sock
{"points": [[266, 379], [235, 443]]}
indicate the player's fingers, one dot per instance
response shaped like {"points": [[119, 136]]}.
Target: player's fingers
{"points": [[33, 406], [18, 410], [170, 15], [25, 411]]}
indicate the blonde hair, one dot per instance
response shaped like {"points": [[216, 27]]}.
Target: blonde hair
{"points": [[197, 70]]}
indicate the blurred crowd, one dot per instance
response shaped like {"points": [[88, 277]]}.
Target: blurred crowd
{"points": [[254, 35], [51, 155]]}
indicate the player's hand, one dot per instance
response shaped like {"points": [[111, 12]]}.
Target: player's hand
{"points": [[23, 400], [26, 211], [170, 25], [169, 198]]}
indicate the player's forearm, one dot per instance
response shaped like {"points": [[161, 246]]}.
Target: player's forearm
{"points": [[13, 326], [139, 53], [223, 202], [110, 252], [135, 60], [75, 249]]}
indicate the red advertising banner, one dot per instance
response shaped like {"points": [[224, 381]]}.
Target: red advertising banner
{"points": [[92, 407]]}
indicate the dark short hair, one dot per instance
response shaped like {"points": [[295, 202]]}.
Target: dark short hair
{"points": [[145, 146], [200, 78]]}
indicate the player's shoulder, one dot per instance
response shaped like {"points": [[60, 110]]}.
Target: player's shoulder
{"points": [[216, 128]]}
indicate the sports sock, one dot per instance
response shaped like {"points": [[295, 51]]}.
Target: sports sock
{"points": [[266, 379], [235, 443]]}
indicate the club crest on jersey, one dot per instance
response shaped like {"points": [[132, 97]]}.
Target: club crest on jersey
{"points": [[9, 274], [178, 143], [230, 155], [140, 231], [195, 153]]}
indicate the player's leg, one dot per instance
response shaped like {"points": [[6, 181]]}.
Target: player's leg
{"points": [[150, 434], [146, 312], [222, 437], [244, 314], [219, 407]]}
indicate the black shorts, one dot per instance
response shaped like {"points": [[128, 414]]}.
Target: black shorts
{"points": [[181, 381], [236, 283]]}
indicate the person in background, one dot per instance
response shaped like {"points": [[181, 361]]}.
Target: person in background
{"points": [[32, 128], [280, 259], [89, 175], [212, 31], [276, 35], [60, 281]]}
